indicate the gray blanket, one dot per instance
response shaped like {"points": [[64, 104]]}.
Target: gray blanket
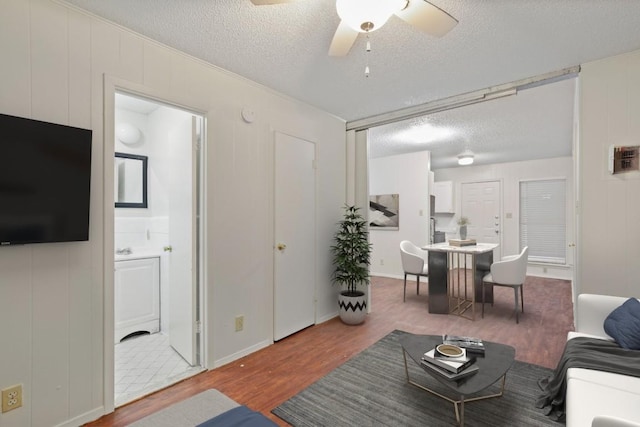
{"points": [[588, 353]]}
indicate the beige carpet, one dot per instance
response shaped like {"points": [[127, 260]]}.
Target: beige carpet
{"points": [[191, 412]]}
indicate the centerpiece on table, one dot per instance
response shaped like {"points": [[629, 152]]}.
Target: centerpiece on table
{"points": [[463, 221]]}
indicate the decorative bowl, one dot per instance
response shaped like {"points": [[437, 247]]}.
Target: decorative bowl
{"points": [[450, 350]]}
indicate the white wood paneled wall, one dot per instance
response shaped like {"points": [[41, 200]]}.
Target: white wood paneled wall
{"points": [[53, 62], [609, 213]]}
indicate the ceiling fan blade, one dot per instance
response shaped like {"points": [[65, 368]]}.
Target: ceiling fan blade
{"points": [[343, 39], [267, 2], [427, 17]]}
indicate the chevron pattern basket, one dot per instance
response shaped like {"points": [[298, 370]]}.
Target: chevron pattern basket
{"points": [[352, 309]]}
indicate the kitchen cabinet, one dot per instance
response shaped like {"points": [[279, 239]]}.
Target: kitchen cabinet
{"points": [[443, 190]]}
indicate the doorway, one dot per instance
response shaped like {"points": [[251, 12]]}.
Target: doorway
{"points": [[481, 205], [157, 246], [294, 255]]}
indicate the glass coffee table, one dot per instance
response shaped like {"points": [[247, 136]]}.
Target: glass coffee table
{"points": [[492, 367]]}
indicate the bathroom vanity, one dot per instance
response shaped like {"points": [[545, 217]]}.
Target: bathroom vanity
{"points": [[136, 294]]}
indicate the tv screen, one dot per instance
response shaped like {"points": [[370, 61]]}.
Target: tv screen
{"points": [[45, 179]]}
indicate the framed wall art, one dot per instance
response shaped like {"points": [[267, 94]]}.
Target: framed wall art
{"points": [[384, 211]]}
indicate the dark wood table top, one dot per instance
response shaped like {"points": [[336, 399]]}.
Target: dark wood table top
{"points": [[495, 362]]}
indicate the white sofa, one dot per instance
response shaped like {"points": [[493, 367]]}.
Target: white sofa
{"points": [[596, 398]]}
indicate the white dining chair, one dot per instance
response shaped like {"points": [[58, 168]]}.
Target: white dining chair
{"points": [[413, 262], [511, 272]]}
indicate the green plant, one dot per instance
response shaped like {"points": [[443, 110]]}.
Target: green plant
{"points": [[463, 220], [351, 251]]}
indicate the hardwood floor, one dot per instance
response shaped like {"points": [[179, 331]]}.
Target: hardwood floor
{"points": [[266, 378]]}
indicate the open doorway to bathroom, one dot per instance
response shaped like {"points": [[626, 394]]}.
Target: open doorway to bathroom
{"points": [[156, 288]]}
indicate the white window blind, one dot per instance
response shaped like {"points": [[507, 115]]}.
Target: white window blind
{"points": [[543, 220]]}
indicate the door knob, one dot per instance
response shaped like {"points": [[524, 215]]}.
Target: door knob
{"points": [[167, 249], [281, 246]]}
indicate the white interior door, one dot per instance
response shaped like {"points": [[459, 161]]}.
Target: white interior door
{"points": [[481, 204], [294, 248], [182, 238]]}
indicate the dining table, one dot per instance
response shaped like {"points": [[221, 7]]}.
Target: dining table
{"points": [[449, 265]]}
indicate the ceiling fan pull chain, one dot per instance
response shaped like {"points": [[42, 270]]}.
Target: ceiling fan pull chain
{"points": [[366, 68]]}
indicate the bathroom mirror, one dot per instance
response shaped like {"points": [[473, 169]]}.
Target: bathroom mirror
{"points": [[130, 177]]}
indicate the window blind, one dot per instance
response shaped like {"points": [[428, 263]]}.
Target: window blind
{"points": [[543, 220]]}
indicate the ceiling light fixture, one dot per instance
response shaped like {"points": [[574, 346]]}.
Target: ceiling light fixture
{"points": [[368, 15], [128, 133], [425, 133], [465, 158]]}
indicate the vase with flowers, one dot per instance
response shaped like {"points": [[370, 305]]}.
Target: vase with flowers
{"points": [[463, 221]]}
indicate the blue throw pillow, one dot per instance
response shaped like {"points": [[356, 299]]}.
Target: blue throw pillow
{"points": [[623, 324]]}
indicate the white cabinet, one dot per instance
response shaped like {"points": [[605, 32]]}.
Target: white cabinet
{"points": [[136, 296], [443, 191]]}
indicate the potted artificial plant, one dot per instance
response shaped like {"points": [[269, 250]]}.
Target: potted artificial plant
{"points": [[463, 222], [351, 258]]}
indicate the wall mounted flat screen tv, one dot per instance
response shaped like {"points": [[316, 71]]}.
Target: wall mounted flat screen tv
{"points": [[45, 180]]}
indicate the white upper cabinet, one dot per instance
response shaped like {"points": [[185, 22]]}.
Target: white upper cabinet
{"points": [[443, 191]]}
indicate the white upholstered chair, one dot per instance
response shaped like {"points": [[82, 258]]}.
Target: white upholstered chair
{"points": [[510, 272], [413, 262]]}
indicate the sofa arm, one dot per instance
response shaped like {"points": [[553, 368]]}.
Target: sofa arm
{"points": [[609, 421], [592, 312]]}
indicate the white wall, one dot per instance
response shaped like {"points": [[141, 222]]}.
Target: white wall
{"points": [[408, 176], [54, 62], [510, 175], [132, 224], [609, 212]]}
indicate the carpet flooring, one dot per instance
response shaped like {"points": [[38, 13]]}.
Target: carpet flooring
{"points": [[190, 412], [371, 390]]}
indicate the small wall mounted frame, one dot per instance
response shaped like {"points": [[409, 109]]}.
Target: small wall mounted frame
{"points": [[624, 159]]}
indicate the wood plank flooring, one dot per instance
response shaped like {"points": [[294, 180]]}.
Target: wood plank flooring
{"points": [[266, 378]]}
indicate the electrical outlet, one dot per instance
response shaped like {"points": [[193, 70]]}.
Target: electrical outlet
{"points": [[239, 323], [11, 398]]}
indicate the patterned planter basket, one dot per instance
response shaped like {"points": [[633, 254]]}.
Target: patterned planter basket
{"points": [[352, 309]]}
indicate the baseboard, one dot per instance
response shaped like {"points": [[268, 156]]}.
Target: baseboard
{"points": [[82, 419], [244, 352], [327, 317], [389, 275], [550, 271]]}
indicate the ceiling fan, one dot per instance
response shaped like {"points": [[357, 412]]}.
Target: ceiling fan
{"points": [[364, 16]]}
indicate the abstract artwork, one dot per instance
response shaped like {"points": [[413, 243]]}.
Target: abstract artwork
{"points": [[384, 211]]}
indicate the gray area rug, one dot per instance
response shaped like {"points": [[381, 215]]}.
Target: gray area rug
{"points": [[371, 390], [190, 412]]}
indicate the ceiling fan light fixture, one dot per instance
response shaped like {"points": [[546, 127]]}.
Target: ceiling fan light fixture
{"points": [[367, 15], [465, 158]]}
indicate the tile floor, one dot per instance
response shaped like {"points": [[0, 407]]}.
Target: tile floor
{"points": [[145, 364]]}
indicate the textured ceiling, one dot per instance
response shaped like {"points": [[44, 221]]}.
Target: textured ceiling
{"points": [[534, 124], [285, 47]]}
